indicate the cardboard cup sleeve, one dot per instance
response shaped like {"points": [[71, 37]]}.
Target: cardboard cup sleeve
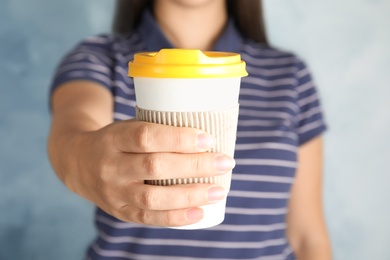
{"points": [[221, 124]]}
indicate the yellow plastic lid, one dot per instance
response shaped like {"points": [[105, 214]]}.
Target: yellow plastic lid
{"points": [[186, 63]]}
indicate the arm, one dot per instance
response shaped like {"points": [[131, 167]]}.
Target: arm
{"points": [[107, 162], [306, 228], [78, 107]]}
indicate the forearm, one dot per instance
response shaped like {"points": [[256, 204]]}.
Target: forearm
{"points": [[306, 228], [77, 108], [64, 143], [319, 249]]}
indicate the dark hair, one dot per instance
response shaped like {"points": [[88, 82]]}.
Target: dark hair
{"points": [[247, 14]]}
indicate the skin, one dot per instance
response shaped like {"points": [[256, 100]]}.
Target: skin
{"points": [[306, 228], [206, 18], [106, 162]]}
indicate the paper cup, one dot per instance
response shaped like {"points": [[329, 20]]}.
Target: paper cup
{"points": [[190, 88]]}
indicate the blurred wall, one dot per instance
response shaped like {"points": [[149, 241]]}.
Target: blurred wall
{"points": [[39, 218], [347, 45]]}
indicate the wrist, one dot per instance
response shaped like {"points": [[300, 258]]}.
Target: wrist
{"points": [[72, 172], [66, 149]]}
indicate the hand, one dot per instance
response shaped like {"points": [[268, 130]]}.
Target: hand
{"points": [[113, 162]]}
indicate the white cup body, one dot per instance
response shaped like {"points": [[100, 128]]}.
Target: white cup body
{"points": [[187, 95]]}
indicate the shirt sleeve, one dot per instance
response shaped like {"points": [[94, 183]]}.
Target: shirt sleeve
{"points": [[90, 60], [310, 119]]}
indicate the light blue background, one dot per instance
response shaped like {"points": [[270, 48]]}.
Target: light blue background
{"points": [[347, 45]]}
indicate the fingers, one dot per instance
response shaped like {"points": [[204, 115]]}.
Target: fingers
{"points": [[169, 206], [149, 197], [137, 151], [158, 166], [141, 137], [175, 205], [167, 218]]}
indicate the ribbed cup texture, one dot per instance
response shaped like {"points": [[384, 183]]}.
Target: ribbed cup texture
{"points": [[221, 124]]}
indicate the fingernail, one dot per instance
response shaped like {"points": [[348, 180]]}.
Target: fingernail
{"points": [[205, 141], [195, 213], [216, 193], [224, 163]]}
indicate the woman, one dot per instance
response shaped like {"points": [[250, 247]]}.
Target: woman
{"points": [[274, 209]]}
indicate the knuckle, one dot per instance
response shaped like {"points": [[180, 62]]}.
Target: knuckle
{"points": [[142, 137], [146, 200], [153, 166], [143, 216], [104, 168]]}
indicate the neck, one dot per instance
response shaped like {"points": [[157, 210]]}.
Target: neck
{"points": [[191, 26]]}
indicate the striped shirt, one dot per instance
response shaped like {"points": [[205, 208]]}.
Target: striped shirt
{"points": [[279, 111]]}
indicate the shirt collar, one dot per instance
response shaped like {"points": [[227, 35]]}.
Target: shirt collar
{"points": [[154, 39]]}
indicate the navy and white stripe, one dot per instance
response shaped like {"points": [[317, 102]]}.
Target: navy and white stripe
{"points": [[279, 110]]}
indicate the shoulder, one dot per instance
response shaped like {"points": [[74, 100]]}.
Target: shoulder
{"points": [[271, 63], [109, 44], [261, 50], [92, 49], [102, 42], [268, 57], [283, 77], [106, 50]]}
